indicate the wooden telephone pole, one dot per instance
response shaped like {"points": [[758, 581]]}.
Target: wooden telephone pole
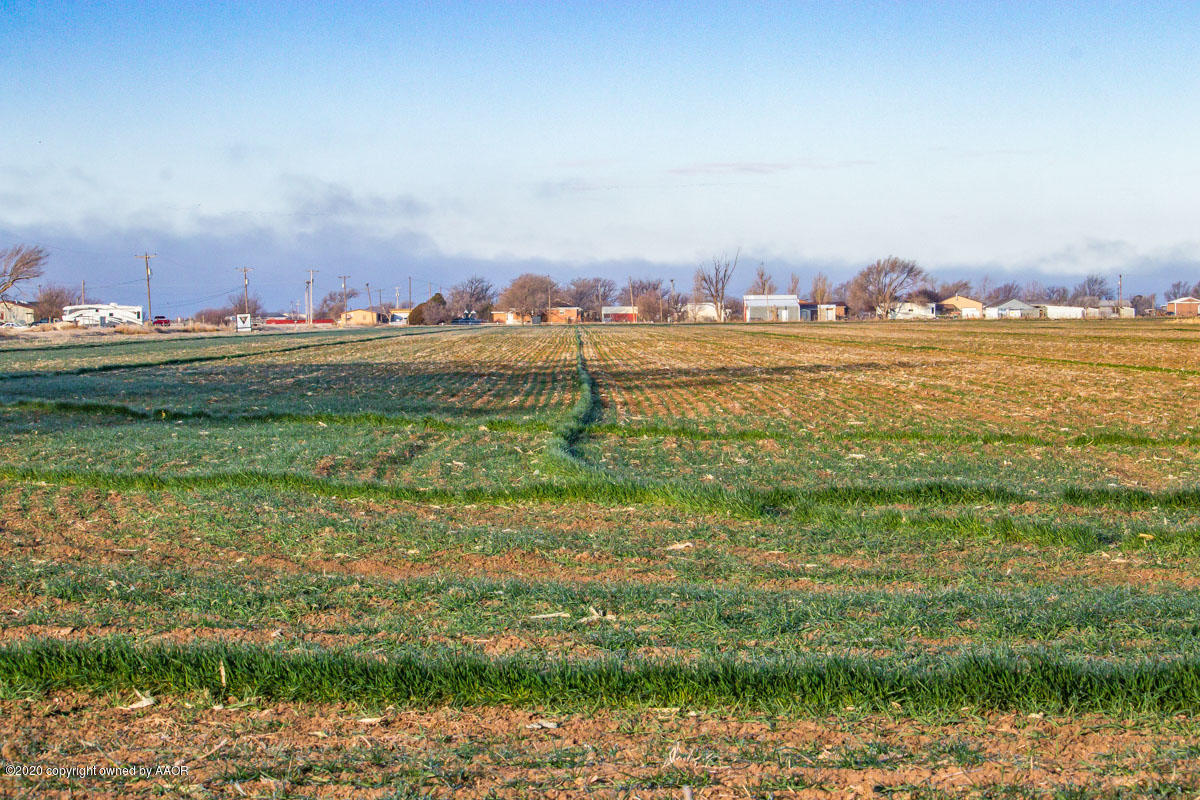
{"points": [[245, 287], [149, 311], [311, 272]]}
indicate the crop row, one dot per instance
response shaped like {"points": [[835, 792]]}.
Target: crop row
{"points": [[988, 680]]}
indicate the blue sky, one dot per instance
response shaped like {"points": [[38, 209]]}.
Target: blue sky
{"points": [[1019, 140]]}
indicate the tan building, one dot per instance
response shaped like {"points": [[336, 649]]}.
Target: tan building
{"points": [[1184, 307], [18, 313], [362, 317], [959, 306]]}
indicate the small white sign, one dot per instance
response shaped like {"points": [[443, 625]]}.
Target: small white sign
{"points": [[243, 323]]}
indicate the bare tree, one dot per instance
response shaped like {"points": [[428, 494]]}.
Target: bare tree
{"points": [[924, 294], [590, 295], [947, 289], [763, 282], [528, 294], [234, 304], [50, 300], [822, 294], [794, 284], [20, 263], [1002, 293], [333, 305], [1181, 289], [1092, 288], [1057, 294], [877, 288], [712, 282], [1034, 292], [475, 295]]}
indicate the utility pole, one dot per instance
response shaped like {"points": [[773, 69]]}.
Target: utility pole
{"points": [[344, 301], [146, 257], [672, 306], [82, 294], [1120, 292], [245, 287], [368, 297], [311, 272], [631, 292], [397, 297]]}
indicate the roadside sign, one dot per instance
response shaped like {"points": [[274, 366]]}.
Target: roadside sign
{"points": [[243, 323]]}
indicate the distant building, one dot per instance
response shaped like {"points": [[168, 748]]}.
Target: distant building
{"points": [[826, 312], [362, 317], [564, 315], [510, 317], [1061, 312], [1011, 309], [1184, 306], [961, 307], [701, 312], [90, 314], [619, 314], [19, 313], [399, 316], [1110, 309], [907, 310], [771, 308]]}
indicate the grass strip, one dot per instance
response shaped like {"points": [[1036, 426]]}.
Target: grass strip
{"points": [[595, 489], [999, 680], [584, 413], [180, 360], [581, 423], [368, 418], [160, 338]]}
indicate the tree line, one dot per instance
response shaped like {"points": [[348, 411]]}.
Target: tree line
{"points": [[874, 290]]}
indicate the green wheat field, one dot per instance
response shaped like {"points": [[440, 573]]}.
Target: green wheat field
{"points": [[916, 560]]}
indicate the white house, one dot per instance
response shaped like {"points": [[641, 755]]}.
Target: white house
{"points": [[1011, 309], [908, 310], [771, 308], [102, 314]]}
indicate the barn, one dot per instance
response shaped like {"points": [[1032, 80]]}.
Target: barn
{"points": [[1184, 306]]}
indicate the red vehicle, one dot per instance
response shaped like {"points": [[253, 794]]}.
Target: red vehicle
{"points": [[163, 321]]}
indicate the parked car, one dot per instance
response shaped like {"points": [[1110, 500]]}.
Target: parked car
{"points": [[465, 321], [160, 320]]}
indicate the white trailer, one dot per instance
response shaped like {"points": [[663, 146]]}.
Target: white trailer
{"points": [[91, 314]]}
